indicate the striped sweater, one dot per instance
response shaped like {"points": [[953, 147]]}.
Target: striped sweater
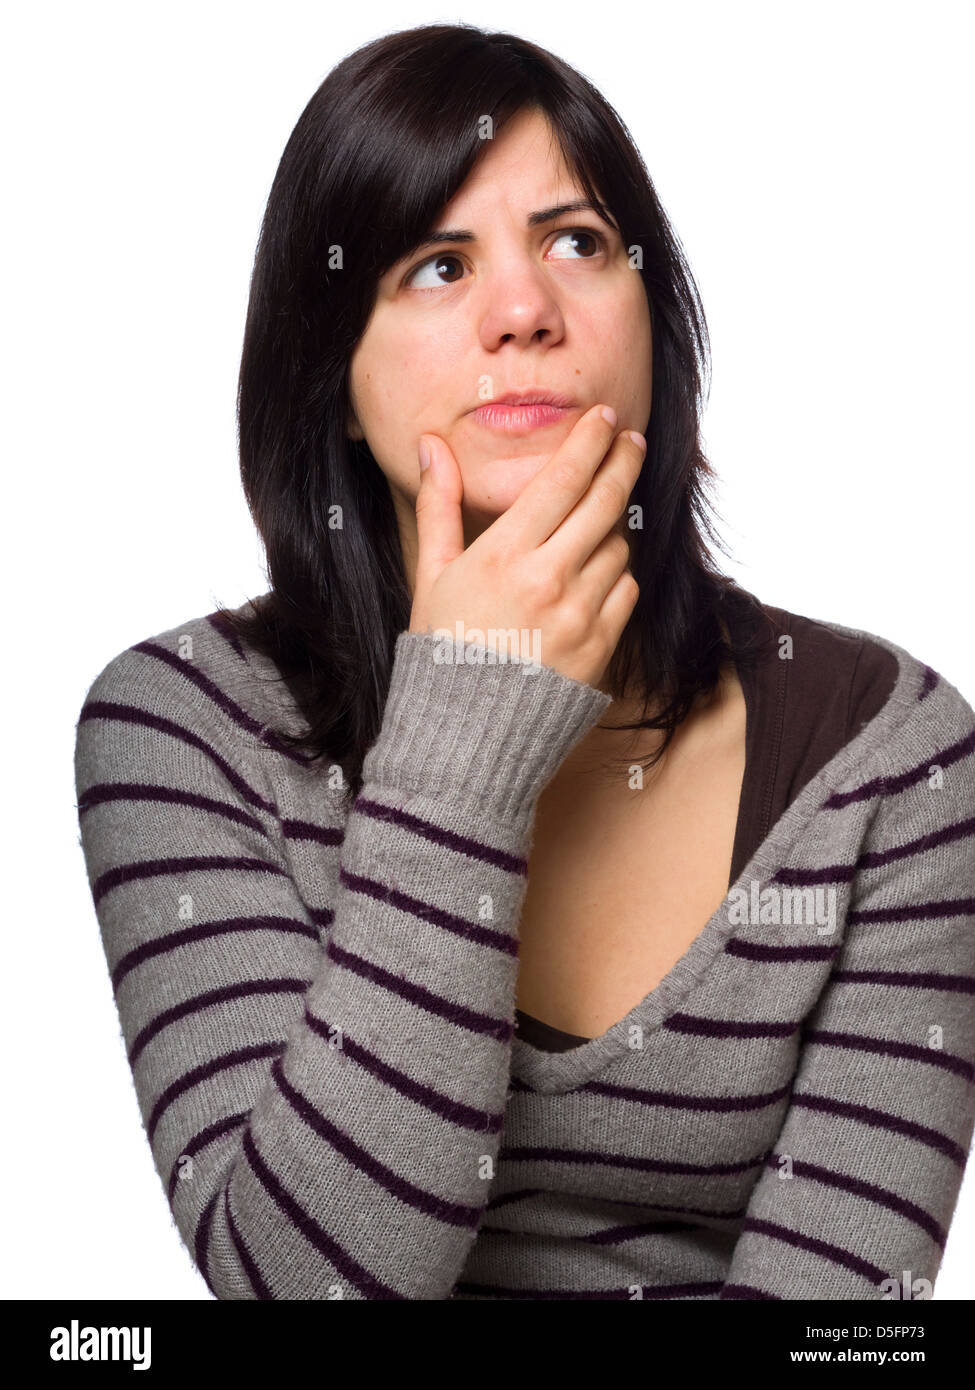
{"points": [[318, 1005]]}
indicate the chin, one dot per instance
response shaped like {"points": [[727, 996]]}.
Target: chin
{"points": [[491, 487]]}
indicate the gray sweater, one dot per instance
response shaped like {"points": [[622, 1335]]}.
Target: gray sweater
{"points": [[318, 1009]]}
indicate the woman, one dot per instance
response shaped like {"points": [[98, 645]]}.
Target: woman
{"points": [[507, 905]]}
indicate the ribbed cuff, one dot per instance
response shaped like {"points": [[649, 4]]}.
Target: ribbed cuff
{"points": [[496, 733]]}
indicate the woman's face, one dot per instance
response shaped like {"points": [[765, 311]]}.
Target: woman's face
{"points": [[519, 307]]}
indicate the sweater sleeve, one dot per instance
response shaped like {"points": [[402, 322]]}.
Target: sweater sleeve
{"points": [[856, 1198], [322, 1083]]}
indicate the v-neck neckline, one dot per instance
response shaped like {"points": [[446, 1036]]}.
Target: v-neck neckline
{"points": [[552, 1073], [756, 790]]}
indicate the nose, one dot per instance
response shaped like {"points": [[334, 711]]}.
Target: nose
{"points": [[518, 304]]}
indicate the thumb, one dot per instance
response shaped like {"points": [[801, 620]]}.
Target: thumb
{"points": [[439, 520]]}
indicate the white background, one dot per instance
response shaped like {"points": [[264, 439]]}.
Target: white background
{"points": [[815, 161]]}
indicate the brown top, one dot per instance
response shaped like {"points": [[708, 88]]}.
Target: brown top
{"points": [[800, 712]]}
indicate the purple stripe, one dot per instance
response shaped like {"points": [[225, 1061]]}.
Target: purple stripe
{"points": [[730, 1214], [834, 1253], [728, 1028], [610, 1235], [101, 792], [305, 830], [427, 912], [867, 1191], [220, 625], [751, 950], [537, 1154], [450, 1213], [243, 1254], [746, 1291], [204, 1072], [349, 1268], [830, 873], [420, 997], [200, 1141], [677, 1100], [883, 1119], [930, 680], [958, 830], [912, 979], [915, 912], [243, 990], [321, 916], [462, 844], [617, 1235], [892, 786], [468, 1116], [153, 868], [191, 935], [884, 1048], [201, 1241], [130, 714]]}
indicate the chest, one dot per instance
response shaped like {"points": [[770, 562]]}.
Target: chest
{"points": [[621, 879]]}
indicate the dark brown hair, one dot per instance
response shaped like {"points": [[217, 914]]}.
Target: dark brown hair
{"points": [[385, 142]]}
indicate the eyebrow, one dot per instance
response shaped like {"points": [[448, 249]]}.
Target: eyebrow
{"points": [[535, 219]]}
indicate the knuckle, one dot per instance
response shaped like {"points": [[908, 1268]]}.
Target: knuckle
{"points": [[621, 547], [572, 619], [611, 492], [567, 473], [494, 559], [545, 587], [576, 618]]}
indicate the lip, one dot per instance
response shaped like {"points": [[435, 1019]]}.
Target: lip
{"points": [[518, 418], [518, 411], [532, 397]]}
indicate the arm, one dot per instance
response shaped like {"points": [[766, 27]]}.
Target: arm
{"points": [[862, 1183], [325, 1123]]}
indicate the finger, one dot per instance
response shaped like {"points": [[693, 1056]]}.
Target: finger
{"points": [[608, 561], [618, 606], [602, 506], [545, 502], [439, 517]]}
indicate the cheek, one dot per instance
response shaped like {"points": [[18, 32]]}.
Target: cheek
{"points": [[433, 383], [411, 369], [383, 392], [618, 351], [385, 368]]}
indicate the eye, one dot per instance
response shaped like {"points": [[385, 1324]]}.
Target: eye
{"points": [[433, 265], [587, 234]]}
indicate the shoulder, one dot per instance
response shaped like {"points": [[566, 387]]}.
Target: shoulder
{"points": [[858, 669], [909, 708], [200, 672]]}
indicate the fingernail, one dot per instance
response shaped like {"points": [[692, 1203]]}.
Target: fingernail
{"points": [[609, 415], [424, 455], [638, 439]]}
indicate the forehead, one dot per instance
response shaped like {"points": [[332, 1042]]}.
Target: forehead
{"points": [[522, 163]]}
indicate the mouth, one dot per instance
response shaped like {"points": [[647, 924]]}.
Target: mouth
{"points": [[520, 411]]}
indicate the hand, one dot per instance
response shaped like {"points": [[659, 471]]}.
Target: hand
{"points": [[553, 563]]}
